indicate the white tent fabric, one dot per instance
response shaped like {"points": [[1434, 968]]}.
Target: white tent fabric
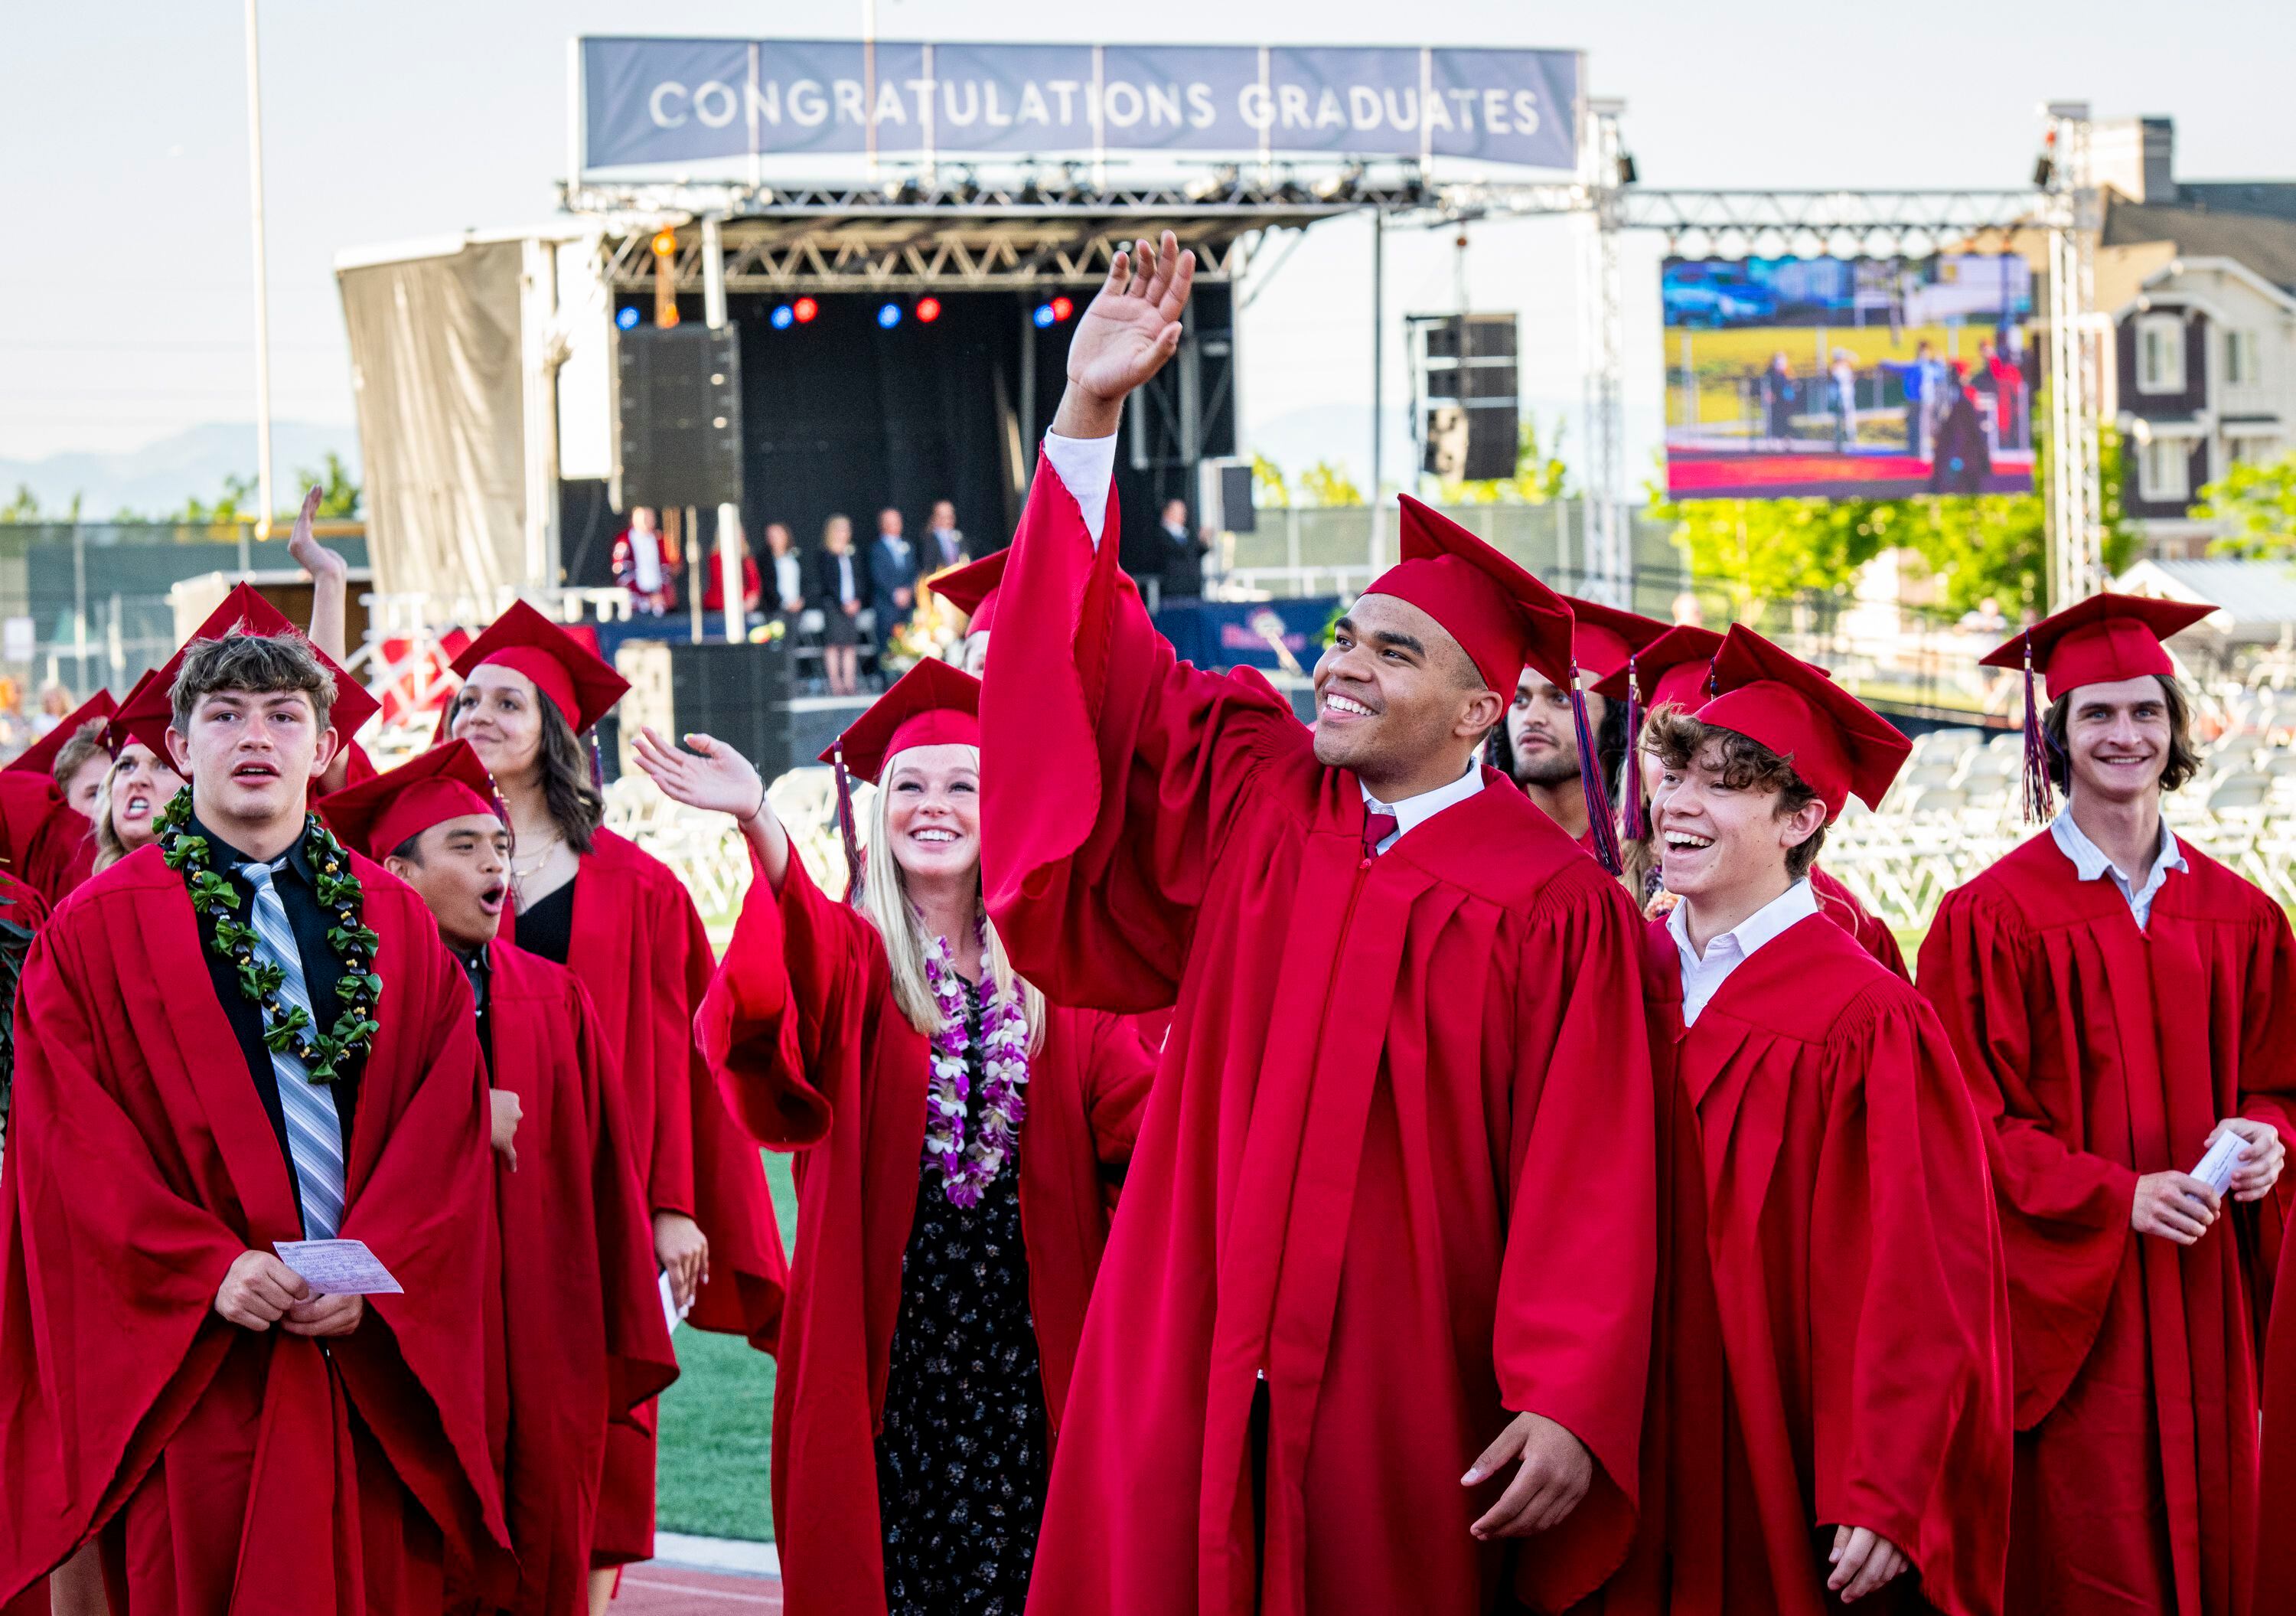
{"points": [[437, 369]]}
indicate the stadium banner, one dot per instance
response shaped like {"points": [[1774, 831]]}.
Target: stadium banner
{"points": [[654, 101], [1849, 378]]}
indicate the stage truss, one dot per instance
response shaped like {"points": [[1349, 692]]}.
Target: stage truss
{"points": [[1060, 226]]}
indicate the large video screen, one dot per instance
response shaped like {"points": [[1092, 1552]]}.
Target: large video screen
{"points": [[1849, 378]]}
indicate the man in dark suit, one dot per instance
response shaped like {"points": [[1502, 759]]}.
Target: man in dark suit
{"points": [[892, 580], [944, 544], [1181, 554]]}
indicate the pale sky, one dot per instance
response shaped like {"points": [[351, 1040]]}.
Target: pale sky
{"points": [[123, 163]]}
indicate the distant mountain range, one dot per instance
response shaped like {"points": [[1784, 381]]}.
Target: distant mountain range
{"points": [[192, 464]]}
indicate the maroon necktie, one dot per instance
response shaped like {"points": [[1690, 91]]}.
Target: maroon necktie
{"points": [[1378, 828]]}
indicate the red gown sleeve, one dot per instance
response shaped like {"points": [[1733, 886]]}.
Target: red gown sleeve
{"points": [[1116, 1089], [2064, 1211], [639, 1358], [111, 1276], [1572, 1334], [1110, 770], [771, 1017], [1908, 1307]]}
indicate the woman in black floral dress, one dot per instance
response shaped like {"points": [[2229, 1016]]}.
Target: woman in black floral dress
{"points": [[940, 1106]]}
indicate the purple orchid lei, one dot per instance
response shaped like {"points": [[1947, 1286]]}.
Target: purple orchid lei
{"points": [[967, 1168]]}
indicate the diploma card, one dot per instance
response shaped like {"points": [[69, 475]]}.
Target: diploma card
{"points": [[2222, 1161], [671, 1314], [338, 1267]]}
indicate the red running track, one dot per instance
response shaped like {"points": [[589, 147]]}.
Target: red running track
{"points": [[654, 1590]]}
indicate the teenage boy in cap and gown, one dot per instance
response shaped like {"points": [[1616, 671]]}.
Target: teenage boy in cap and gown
{"points": [[1392, 1214], [1677, 670], [1829, 1408], [625, 926], [585, 1339], [1542, 728], [202, 1073], [2118, 1000], [958, 1145]]}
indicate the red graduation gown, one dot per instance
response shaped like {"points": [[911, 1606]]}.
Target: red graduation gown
{"points": [[2276, 1549], [814, 1057], [1835, 1338], [1841, 906], [1365, 1167], [2100, 1052], [142, 1166], [584, 1333], [639, 947]]}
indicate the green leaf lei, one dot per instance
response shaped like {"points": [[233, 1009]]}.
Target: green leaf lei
{"points": [[287, 1029]]}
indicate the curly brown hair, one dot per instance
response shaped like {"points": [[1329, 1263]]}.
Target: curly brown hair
{"points": [[2183, 761], [256, 663], [1745, 765]]}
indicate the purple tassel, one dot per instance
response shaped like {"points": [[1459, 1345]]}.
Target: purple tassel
{"points": [[1637, 824], [1599, 820], [2040, 799], [846, 831], [597, 764]]}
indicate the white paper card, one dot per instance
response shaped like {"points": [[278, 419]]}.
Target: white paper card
{"points": [[338, 1267], [2222, 1161], [671, 1313]]}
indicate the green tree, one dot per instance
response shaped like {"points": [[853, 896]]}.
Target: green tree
{"points": [[24, 507], [236, 504], [2258, 504], [1267, 485], [1759, 551], [341, 496], [1993, 545], [1324, 483]]}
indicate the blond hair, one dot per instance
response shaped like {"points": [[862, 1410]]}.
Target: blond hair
{"points": [[885, 900], [109, 848]]}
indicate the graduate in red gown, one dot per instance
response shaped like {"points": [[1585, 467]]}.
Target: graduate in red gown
{"points": [[202, 1073], [625, 925], [1830, 1416], [959, 1142], [1391, 1217], [43, 819], [1676, 668], [1542, 741], [2118, 999], [585, 1339]]}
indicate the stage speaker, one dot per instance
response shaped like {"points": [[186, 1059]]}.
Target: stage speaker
{"points": [[1466, 380], [677, 416], [739, 694]]}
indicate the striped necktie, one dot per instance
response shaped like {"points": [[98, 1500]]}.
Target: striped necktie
{"points": [[315, 1135]]}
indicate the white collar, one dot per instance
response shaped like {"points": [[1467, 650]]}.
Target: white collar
{"points": [[2092, 862], [1419, 809], [1797, 903]]}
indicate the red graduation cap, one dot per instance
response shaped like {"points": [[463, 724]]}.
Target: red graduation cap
{"points": [[377, 816], [136, 707], [1836, 744], [972, 589], [933, 705], [1505, 620], [580, 684], [40, 757], [2097, 640], [150, 707], [1603, 639], [1672, 669]]}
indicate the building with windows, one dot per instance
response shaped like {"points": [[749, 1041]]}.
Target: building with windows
{"points": [[2198, 280]]}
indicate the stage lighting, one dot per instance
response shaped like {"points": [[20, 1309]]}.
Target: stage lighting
{"points": [[1063, 309], [626, 318], [782, 318], [804, 308], [889, 315], [1043, 316], [928, 310], [665, 242]]}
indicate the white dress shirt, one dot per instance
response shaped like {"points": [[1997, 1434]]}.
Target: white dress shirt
{"points": [[789, 582], [2092, 863], [1085, 467], [1418, 810], [1702, 976]]}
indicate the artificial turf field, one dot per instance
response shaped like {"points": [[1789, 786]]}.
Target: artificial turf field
{"points": [[717, 1422]]}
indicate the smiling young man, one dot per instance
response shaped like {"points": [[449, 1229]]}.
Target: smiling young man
{"points": [[585, 1341], [1392, 1217], [239, 1036], [2118, 999], [1830, 1413]]}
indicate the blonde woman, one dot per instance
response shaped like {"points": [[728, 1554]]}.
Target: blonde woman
{"points": [[960, 1143], [134, 789], [844, 590]]}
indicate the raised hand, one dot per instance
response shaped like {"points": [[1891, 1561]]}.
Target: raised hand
{"points": [[1130, 328], [315, 557], [712, 778]]}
